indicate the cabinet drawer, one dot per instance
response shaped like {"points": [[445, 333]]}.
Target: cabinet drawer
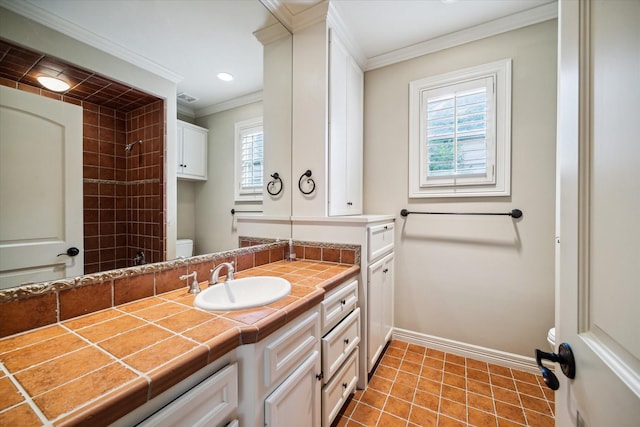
{"points": [[337, 304], [336, 392], [339, 343], [380, 240], [285, 353], [209, 403]]}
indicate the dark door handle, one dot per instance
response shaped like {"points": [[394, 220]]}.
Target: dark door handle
{"points": [[72, 251], [566, 360]]}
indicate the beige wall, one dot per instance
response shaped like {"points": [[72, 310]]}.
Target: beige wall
{"points": [[215, 228], [186, 210], [487, 281]]}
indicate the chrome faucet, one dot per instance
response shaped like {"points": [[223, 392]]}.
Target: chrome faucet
{"points": [[213, 279], [194, 287]]}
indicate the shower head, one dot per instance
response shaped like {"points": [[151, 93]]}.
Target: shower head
{"points": [[129, 147]]}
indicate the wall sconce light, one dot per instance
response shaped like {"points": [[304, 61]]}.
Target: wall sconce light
{"points": [[53, 84]]}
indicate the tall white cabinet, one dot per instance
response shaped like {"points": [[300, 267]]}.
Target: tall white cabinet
{"points": [[345, 131], [192, 152]]}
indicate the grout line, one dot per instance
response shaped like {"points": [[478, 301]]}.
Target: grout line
{"points": [[439, 416]]}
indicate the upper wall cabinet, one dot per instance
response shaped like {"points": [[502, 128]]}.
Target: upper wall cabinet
{"points": [[192, 152], [345, 131]]}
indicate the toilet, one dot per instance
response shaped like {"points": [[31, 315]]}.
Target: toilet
{"points": [[551, 338], [184, 248]]}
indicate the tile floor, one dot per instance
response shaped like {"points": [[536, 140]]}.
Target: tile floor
{"points": [[417, 386]]}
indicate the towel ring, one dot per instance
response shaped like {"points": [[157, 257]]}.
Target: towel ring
{"points": [[272, 184], [309, 181]]}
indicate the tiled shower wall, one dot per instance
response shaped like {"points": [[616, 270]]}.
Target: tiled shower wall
{"points": [[145, 183], [123, 192], [104, 188], [123, 203]]}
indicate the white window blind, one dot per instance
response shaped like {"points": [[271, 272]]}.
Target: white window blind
{"points": [[459, 133], [459, 124], [252, 160], [249, 159]]}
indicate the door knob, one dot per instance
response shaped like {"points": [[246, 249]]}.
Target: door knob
{"points": [[72, 251], [566, 360]]}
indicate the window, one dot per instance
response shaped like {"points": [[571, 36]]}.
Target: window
{"points": [[249, 159], [459, 136]]}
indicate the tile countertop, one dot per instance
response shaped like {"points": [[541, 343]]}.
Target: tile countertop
{"points": [[97, 368]]}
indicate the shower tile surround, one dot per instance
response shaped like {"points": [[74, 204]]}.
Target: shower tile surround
{"points": [[134, 314], [122, 192]]}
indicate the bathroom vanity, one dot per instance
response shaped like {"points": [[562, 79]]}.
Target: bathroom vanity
{"points": [[160, 360]]}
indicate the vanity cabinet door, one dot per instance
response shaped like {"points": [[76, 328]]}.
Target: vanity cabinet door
{"points": [[192, 152], [296, 402], [380, 307]]}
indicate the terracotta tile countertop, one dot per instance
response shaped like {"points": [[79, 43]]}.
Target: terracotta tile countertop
{"points": [[94, 369]]}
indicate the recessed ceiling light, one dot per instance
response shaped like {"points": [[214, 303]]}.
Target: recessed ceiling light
{"points": [[225, 77], [53, 84], [449, 1]]}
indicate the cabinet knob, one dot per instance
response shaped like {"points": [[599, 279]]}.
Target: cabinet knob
{"points": [[345, 385], [346, 340], [349, 203], [319, 376], [343, 302], [386, 270]]}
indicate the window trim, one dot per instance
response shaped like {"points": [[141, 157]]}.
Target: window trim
{"points": [[240, 126], [500, 183]]}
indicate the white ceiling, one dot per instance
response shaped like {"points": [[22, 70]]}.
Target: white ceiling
{"points": [[189, 41], [383, 26]]}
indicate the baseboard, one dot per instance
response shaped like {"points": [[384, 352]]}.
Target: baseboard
{"points": [[497, 357]]}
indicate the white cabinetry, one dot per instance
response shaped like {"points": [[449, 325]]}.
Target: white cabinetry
{"points": [[340, 351], [192, 152], [380, 307], [296, 402], [280, 376], [375, 235], [380, 290], [345, 131]]}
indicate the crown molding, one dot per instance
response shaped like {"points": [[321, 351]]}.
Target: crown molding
{"points": [[298, 21], [336, 24], [183, 109], [271, 34], [227, 105], [67, 28], [280, 11], [498, 26]]}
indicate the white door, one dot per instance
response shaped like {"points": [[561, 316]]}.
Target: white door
{"points": [[40, 188], [598, 289]]}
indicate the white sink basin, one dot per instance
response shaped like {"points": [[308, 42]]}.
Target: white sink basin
{"points": [[243, 293]]}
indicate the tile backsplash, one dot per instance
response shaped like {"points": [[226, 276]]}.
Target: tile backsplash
{"points": [[32, 306]]}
